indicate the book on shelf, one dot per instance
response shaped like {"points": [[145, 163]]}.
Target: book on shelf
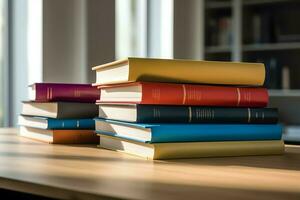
{"points": [[157, 133], [50, 92], [60, 124], [187, 114], [60, 136], [192, 149], [287, 25], [219, 31], [60, 110], [274, 68], [183, 94], [180, 71], [225, 31]]}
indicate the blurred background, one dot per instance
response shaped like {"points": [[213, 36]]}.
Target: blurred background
{"points": [[60, 40]]}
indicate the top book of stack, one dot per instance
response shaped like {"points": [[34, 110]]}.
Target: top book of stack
{"points": [[180, 71], [63, 92]]}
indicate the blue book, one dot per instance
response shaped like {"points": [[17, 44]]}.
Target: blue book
{"points": [[158, 133], [50, 123]]}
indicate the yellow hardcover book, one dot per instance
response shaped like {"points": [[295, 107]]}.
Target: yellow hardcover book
{"points": [[180, 71], [192, 149]]}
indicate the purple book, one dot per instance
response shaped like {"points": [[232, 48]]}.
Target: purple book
{"points": [[49, 92]]}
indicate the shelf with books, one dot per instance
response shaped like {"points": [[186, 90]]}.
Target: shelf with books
{"points": [[228, 4], [272, 46], [218, 49], [263, 2], [262, 31], [284, 92], [218, 4]]}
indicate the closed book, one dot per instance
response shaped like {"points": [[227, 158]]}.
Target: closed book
{"points": [[60, 110], [187, 114], [181, 71], [49, 92], [60, 124], [184, 94], [60, 136], [192, 149], [158, 133]]}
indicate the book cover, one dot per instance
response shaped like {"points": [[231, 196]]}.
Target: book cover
{"points": [[61, 124], [187, 114], [49, 92], [60, 110], [60, 136], [185, 94], [181, 71], [164, 133], [192, 149]]}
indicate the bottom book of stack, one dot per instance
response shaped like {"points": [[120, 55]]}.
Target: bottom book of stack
{"points": [[191, 149], [58, 131], [163, 141]]}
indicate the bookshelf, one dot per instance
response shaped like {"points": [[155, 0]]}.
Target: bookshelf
{"points": [[256, 31]]}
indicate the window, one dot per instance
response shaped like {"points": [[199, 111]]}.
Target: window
{"points": [[144, 28], [3, 63]]}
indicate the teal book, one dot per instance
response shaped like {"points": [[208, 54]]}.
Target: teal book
{"points": [[160, 133], [60, 124]]}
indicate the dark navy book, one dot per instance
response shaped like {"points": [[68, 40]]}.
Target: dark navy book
{"points": [[187, 114], [157, 133]]}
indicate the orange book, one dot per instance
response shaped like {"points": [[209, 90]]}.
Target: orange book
{"points": [[60, 136]]}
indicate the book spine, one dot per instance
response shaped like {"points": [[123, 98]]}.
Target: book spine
{"points": [[66, 92], [217, 149], [215, 132], [192, 114], [203, 72], [75, 137], [72, 124], [184, 94]]}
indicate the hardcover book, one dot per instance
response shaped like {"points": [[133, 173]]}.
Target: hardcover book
{"points": [[60, 124], [60, 110], [60, 136], [184, 94], [159, 133], [181, 71], [187, 114], [49, 92], [192, 149]]}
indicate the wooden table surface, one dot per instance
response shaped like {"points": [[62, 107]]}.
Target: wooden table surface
{"points": [[86, 172]]}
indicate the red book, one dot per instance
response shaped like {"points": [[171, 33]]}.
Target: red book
{"points": [[183, 94], [49, 92]]}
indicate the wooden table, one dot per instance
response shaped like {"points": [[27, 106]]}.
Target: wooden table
{"points": [[86, 172]]}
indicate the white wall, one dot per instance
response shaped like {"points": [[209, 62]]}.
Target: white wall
{"points": [[77, 35], [189, 29]]}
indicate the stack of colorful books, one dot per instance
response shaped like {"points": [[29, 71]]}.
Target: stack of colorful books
{"points": [[60, 113], [163, 109]]}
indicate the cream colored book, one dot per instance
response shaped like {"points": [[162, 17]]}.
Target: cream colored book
{"points": [[192, 149], [180, 71]]}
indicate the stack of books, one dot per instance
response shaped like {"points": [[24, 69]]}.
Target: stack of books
{"points": [[163, 109], [60, 113]]}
